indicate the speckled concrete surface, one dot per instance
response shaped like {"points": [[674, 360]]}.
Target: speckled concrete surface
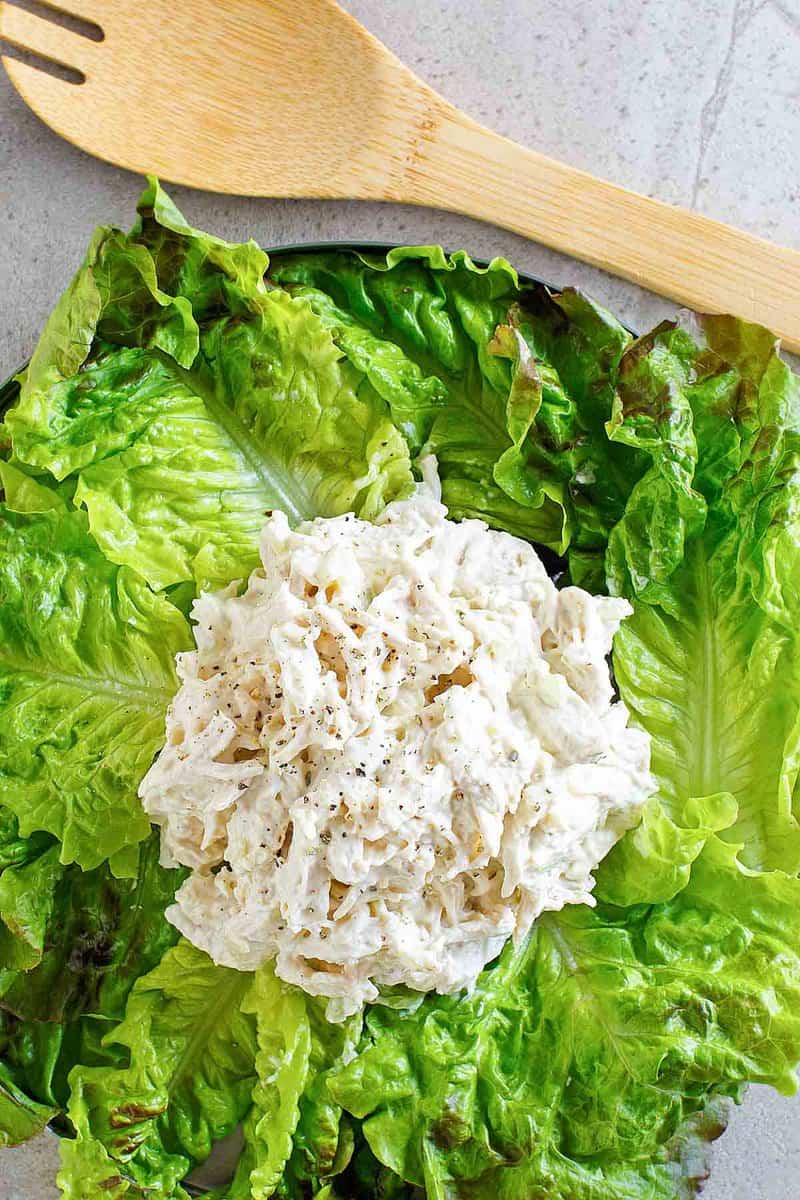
{"points": [[694, 101]]}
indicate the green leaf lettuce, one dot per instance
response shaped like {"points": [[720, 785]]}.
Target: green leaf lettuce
{"points": [[86, 674], [184, 387]]}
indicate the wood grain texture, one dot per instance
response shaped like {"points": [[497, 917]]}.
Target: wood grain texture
{"points": [[290, 99]]}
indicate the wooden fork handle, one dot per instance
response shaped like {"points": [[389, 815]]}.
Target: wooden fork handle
{"points": [[459, 165]]}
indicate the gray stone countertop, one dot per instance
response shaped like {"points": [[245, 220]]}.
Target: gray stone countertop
{"points": [[694, 101]]}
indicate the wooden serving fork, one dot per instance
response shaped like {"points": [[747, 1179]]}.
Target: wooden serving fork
{"points": [[295, 98]]}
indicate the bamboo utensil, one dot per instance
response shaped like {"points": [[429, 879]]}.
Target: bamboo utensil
{"points": [[295, 98]]}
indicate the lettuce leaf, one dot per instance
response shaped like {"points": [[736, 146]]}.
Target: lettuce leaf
{"points": [[214, 275], [209, 1047], [508, 385], [88, 939], [653, 863], [295, 1135], [710, 554], [85, 936], [21, 1117], [16, 850], [192, 1051], [90, 936], [29, 1053], [27, 901], [114, 292], [86, 673], [323, 1141], [366, 1178], [572, 1069], [163, 479], [588, 1063], [29, 869], [282, 1066], [177, 469], [88, 1172], [22, 493], [178, 441], [28, 1056], [117, 296]]}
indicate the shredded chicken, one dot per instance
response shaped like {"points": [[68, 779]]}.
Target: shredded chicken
{"points": [[390, 753]]}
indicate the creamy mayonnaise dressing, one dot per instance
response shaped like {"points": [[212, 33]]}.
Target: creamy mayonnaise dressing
{"points": [[389, 754]]}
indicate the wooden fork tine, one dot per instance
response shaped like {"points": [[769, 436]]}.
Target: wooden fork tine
{"points": [[56, 101], [43, 37], [85, 10]]}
